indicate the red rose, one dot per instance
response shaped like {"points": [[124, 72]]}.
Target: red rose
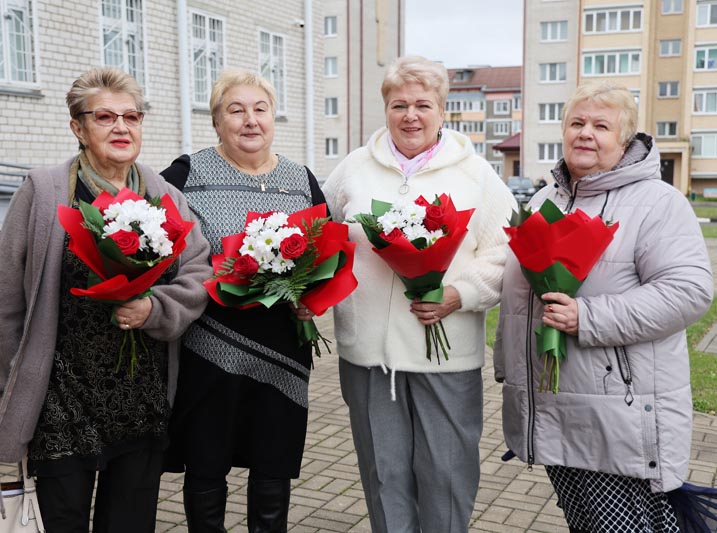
{"points": [[174, 228], [393, 236], [435, 215], [127, 241], [293, 246], [245, 267]]}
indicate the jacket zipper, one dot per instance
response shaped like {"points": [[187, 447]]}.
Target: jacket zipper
{"points": [[623, 363], [573, 195], [530, 385]]}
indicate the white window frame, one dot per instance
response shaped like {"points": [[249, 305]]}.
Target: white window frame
{"points": [[334, 71], [666, 129], [272, 65], [710, 57], [633, 58], [501, 107], [703, 100], [331, 106], [515, 126], [497, 153], [18, 67], [129, 33], [497, 166], [553, 31], [672, 89], [501, 128], [331, 25], [479, 147], [549, 152], [706, 14], [517, 102], [612, 20], [672, 7], [698, 145], [553, 72], [207, 51], [550, 113], [467, 105], [670, 47], [331, 147], [454, 125]]}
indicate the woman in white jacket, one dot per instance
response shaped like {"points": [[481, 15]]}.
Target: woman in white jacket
{"points": [[616, 436], [418, 455]]}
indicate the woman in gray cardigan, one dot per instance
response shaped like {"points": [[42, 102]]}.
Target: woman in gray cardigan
{"points": [[63, 401], [616, 436]]}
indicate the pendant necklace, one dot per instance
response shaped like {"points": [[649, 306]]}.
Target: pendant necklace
{"points": [[260, 182], [403, 189]]}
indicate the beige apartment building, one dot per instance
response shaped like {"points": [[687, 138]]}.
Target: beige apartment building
{"points": [[175, 49], [485, 103], [663, 51]]}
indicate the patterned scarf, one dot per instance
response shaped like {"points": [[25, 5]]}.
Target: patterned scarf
{"points": [[82, 168]]}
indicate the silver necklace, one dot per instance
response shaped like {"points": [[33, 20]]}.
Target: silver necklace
{"points": [[403, 189]]}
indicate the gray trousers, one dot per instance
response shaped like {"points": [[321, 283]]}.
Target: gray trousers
{"points": [[418, 456]]}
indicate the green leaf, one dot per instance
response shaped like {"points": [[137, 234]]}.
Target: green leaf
{"points": [[379, 208], [520, 216], [420, 243], [93, 218], [551, 213], [326, 269]]}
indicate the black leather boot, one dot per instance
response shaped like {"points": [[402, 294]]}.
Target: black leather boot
{"points": [[205, 510], [268, 505]]}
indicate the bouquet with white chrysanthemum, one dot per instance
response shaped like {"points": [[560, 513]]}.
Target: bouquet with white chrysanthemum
{"points": [[409, 218], [128, 243]]}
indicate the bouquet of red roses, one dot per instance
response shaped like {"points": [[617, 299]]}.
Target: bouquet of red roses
{"points": [[556, 252], [128, 243], [418, 240], [302, 257]]}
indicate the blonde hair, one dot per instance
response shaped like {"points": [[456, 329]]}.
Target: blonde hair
{"points": [[95, 81], [610, 95], [416, 69], [229, 79]]}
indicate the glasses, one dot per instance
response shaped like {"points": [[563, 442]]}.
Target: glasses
{"points": [[105, 117]]}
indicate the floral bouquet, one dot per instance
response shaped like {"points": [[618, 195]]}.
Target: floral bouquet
{"points": [[418, 240], [302, 257], [556, 252], [128, 243]]}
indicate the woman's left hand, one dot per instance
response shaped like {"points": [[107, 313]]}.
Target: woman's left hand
{"points": [[133, 314], [561, 312], [302, 312], [430, 313]]}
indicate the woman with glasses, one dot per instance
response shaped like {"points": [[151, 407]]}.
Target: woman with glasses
{"points": [[64, 399]]}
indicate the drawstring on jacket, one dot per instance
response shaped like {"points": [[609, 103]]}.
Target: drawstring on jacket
{"points": [[393, 380]]}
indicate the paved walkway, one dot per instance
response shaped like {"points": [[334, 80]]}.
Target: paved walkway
{"points": [[328, 496]]}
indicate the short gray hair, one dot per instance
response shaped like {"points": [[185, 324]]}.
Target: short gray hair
{"points": [[416, 69], [96, 80]]}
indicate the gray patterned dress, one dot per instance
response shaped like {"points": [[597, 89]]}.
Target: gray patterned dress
{"points": [[242, 397]]}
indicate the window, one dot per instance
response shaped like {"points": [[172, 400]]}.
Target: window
{"points": [[671, 7], [515, 126], [550, 112], [271, 65], [667, 129], [598, 64], [501, 107], [704, 145], [467, 105], [706, 58], [471, 126], [479, 147], [705, 101], [552, 72], [452, 125], [207, 54], [517, 102], [17, 41], [707, 13], [331, 107], [554, 30], [330, 25], [331, 67], [501, 128], [122, 37], [453, 106], [668, 89], [332, 147], [549, 152], [613, 20], [672, 47], [497, 153], [498, 167]]}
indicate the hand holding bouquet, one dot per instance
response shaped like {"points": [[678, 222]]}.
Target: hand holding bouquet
{"points": [[418, 240], [302, 257], [556, 252], [128, 243]]}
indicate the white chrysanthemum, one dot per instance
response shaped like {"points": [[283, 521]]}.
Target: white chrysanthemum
{"points": [[391, 220], [433, 236], [142, 217], [255, 226], [277, 220], [415, 231], [280, 265], [287, 231], [114, 227], [413, 213]]}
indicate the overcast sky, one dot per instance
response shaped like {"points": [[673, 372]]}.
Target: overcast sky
{"points": [[466, 32]]}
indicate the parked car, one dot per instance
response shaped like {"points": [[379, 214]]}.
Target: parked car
{"points": [[521, 187]]}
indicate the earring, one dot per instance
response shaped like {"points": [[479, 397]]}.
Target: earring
{"points": [[440, 134]]}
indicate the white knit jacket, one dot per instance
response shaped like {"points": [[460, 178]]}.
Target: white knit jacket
{"points": [[374, 325]]}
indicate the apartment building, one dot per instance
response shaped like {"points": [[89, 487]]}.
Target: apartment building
{"points": [[485, 103], [663, 51], [360, 40], [176, 49]]}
